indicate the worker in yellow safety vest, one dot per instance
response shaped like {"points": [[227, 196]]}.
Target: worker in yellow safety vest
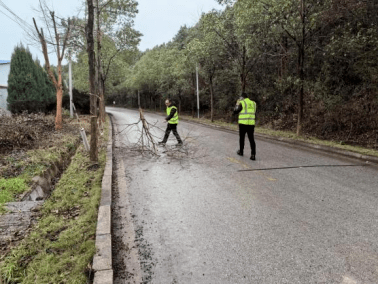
{"points": [[246, 109], [172, 119]]}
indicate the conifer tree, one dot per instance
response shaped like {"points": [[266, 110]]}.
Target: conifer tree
{"points": [[29, 87], [22, 86]]}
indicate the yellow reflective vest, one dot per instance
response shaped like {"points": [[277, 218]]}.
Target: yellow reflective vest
{"points": [[247, 114], [174, 119]]}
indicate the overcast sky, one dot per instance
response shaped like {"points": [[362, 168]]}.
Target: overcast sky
{"points": [[158, 20]]}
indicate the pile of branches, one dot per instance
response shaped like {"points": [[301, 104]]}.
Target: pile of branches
{"points": [[24, 131], [147, 136]]}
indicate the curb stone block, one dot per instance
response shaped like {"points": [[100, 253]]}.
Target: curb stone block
{"points": [[108, 169], [103, 277], [103, 258], [106, 193], [104, 220]]}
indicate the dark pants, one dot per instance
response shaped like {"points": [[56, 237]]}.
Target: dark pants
{"points": [[249, 129], [173, 128]]}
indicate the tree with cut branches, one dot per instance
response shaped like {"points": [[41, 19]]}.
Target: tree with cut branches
{"points": [[57, 38]]}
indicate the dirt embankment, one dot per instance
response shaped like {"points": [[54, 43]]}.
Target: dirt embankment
{"points": [[27, 131], [22, 133]]}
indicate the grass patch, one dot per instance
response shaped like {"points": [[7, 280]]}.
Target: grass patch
{"points": [[289, 135], [9, 188]]}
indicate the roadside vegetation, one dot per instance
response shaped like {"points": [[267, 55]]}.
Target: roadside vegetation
{"points": [[60, 246]]}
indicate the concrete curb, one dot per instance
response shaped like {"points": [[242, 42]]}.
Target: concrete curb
{"points": [[102, 261]]}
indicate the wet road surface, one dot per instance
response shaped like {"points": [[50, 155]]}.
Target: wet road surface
{"points": [[202, 214]]}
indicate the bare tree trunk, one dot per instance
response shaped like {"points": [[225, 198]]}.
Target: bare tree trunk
{"points": [[91, 58], [211, 99], [193, 75], [59, 97], [301, 94], [93, 149], [58, 117], [284, 57], [92, 78], [301, 54], [101, 90]]}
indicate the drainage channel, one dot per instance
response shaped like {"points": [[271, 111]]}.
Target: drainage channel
{"points": [[22, 215]]}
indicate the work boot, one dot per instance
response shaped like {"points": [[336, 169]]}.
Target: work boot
{"points": [[161, 143], [240, 153], [253, 157], [179, 143]]}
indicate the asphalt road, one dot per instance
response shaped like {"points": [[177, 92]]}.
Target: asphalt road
{"points": [[202, 214]]}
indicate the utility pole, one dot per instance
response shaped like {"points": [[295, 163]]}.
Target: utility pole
{"points": [[70, 85], [197, 90]]}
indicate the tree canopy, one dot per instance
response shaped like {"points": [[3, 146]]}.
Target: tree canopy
{"points": [[305, 62]]}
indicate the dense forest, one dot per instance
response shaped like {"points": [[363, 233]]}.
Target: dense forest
{"points": [[311, 66]]}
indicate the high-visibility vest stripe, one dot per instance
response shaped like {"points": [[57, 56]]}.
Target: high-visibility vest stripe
{"points": [[245, 118]]}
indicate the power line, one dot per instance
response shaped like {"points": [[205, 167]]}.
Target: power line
{"points": [[28, 28], [23, 24]]}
